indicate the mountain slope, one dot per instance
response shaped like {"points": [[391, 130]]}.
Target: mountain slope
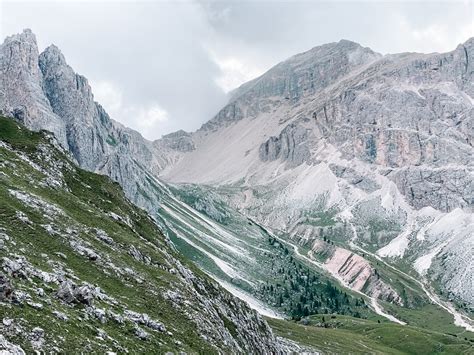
{"points": [[43, 92], [346, 335], [84, 268], [337, 158], [383, 144]]}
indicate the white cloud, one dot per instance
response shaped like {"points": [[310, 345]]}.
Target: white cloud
{"points": [[151, 116], [108, 95], [437, 37], [146, 119], [234, 72]]}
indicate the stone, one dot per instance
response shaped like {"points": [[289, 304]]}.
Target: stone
{"points": [[140, 333], [6, 288], [66, 291], [60, 315], [10, 348], [84, 294]]}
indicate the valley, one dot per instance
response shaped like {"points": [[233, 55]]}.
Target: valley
{"points": [[332, 195]]}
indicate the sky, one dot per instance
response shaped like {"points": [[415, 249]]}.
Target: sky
{"points": [[160, 66]]}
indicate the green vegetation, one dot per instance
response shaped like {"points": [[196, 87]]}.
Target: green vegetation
{"points": [[111, 141], [300, 291], [134, 264], [347, 335], [272, 274]]}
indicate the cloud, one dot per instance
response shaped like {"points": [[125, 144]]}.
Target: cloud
{"points": [[147, 120], [234, 72], [160, 66], [439, 37], [150, 117], [108, 95]]}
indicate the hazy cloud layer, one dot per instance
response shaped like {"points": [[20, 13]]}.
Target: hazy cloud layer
{"points": [[162, 66]]}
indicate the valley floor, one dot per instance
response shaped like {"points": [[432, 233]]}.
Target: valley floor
{"points": [[347, 335]]}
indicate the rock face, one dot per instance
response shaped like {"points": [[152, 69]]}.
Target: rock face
{"points": [[21, 86], [291, 145], [355, 271], [71, 99], [180, 141]]}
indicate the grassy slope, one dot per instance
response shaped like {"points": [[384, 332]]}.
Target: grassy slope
{"points": [[272, 267], [86, 203], [346, 335]]}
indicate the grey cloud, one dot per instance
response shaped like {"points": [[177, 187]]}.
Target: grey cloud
{"points": [[164, 53]]}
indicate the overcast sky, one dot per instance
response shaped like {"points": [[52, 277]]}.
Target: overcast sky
{"points": [[160, 66]]}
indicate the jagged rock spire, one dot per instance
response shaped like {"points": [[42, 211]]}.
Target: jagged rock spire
{"points": [[21, 86]]}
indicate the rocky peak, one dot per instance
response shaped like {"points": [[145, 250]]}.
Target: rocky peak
{"points": [[21, 82], [20, 53], [44, 93], [177, 134], [344, 48], [302, 75], [180, 141], [60, 75], [52, 54], [27, 37]]}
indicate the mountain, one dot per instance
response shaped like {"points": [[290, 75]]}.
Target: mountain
{"points": [[43, 92], [340, 181], [382, 143], [83, 268]]}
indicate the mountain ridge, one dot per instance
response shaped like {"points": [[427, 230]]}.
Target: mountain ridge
{"points": [[370, 151]]}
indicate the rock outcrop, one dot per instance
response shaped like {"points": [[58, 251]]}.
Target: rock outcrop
{"points": [[21, 86], [291, 145]]}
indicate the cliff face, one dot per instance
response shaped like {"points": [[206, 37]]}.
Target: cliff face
{"points": [[43, 92], [21, 86]]}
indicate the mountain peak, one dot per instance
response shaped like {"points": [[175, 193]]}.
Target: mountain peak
{"points": [[52, 54], [301, 75], [26, 36], [344, 47], [23, 48], [348, 41]]}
